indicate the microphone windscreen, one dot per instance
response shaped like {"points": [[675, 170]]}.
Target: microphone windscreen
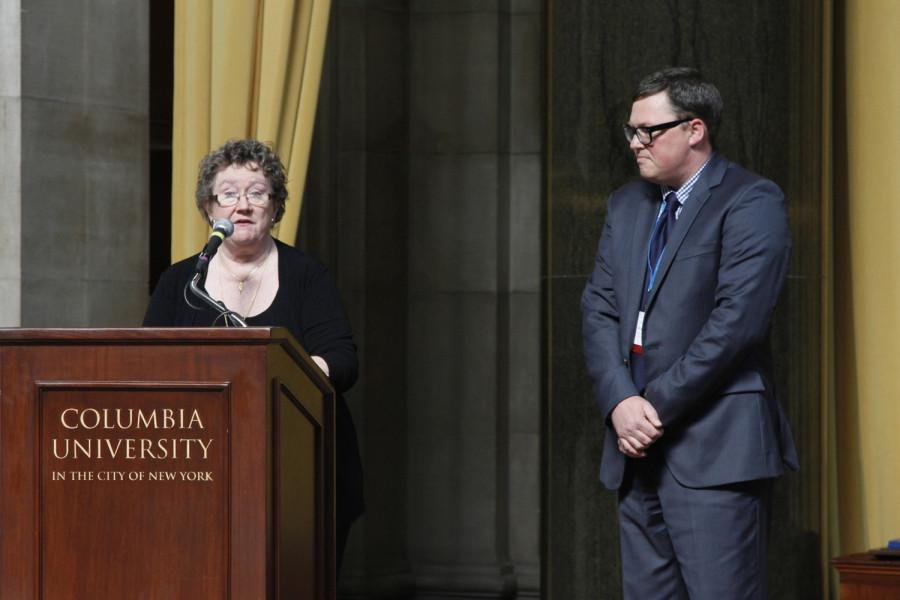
{"points": [[224, 226]]}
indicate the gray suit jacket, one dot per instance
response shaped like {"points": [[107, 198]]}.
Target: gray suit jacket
{"points": [[706, 330]]}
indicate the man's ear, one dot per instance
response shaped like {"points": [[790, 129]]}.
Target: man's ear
{"points": [[699, 133]]}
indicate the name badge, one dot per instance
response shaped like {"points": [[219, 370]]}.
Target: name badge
{"points": [[638, 345]]}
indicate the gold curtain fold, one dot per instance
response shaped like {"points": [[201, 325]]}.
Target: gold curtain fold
{"points": [[867, 273], [243, 68]]}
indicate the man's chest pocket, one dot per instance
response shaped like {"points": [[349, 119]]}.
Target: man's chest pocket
{"points": [[697, 251]]}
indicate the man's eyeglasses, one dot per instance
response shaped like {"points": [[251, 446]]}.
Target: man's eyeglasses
{"points": [[254, 197], [645, 134]]}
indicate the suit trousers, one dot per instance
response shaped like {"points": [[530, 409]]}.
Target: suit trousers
{"points": [[697, 543]]}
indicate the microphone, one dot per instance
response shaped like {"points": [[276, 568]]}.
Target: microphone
{"points": [[222, 228]]}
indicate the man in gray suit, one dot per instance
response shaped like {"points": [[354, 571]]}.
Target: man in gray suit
{"points": [[676, 317]]}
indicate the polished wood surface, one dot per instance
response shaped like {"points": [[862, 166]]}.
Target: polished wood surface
{"points": [[867, 577], [221, 487]]}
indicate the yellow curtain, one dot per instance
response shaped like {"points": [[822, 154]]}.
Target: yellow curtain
{"points": [[867, 272], [243, 68]]}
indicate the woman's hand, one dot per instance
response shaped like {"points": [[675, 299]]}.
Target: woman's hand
{"points": [[322, 364]]}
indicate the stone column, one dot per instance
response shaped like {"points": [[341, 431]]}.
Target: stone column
{"points": [[10, 166], [425, 196], [520, 359], [355, 220], [75, 115], [474, 256]]}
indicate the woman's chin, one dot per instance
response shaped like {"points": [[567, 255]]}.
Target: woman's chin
{"points": [[247, 238]]}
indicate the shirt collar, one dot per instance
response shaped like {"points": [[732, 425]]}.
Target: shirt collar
{"points": [[684, 192]]}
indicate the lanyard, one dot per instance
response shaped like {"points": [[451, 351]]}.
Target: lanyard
{"points": [[653, 269]]}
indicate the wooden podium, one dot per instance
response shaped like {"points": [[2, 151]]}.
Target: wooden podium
{"points": [[164, 464], [866, 576]]}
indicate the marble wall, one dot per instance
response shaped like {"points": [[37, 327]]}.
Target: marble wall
{"points": [[81, 193], [765, 58], [424, 196]]}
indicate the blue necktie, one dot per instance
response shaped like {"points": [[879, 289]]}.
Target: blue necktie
{"points": [[663, 228]]}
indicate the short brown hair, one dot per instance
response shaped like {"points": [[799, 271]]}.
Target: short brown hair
{"points": [[689, 94]]}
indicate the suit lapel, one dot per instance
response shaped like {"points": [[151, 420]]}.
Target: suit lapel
{"points": [[711, 177], [645, 216]]}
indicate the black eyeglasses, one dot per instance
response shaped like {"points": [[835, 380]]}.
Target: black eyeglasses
{"points": [[645, 134]]}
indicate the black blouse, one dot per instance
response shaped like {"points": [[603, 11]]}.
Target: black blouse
{"points": [[307, 303]]}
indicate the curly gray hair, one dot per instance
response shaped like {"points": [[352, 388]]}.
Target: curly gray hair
{"points": [[250, 153]]}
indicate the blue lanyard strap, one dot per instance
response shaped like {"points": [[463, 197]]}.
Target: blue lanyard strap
{"points": [[653, 269]]}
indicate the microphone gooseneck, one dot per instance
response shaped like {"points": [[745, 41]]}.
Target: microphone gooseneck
{"points": [[231, 318], [222, 228]]}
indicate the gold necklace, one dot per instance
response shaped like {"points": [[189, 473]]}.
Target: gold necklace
{"points": [[255, 293], [253, 300], [241, 282]]}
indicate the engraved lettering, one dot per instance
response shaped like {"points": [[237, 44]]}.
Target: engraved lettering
{"points": [[81, 445], [205, 448], [146, 421], [92, 420], [56, 449], [62, 418], [130, 418]]}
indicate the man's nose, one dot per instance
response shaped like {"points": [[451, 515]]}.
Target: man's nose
{"points": [[635, 144]]}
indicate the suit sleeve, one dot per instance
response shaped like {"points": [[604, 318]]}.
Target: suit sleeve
{"points": [[600, 314], [756, 246]]}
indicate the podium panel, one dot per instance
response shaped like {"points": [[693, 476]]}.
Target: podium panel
{"points": [[164, 464], [138, 476]]}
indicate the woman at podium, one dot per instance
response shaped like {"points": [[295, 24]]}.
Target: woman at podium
{"points": [[267, 283]]}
